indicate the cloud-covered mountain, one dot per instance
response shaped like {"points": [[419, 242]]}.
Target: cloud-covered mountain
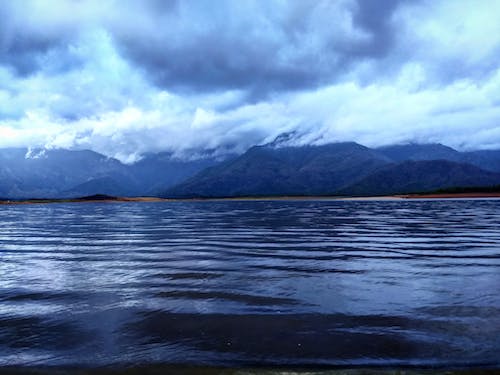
{"points": [[156, 172], [40, 173], [341, 169], [276, 168], [48, 173], [267, 170]]}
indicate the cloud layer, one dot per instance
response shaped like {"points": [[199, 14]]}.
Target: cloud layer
{"points": [[128, 77]]}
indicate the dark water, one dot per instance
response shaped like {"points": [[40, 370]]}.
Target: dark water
{"points": [[242, 283]]}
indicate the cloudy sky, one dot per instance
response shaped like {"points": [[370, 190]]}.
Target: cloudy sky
{"points": [[124, 77]]}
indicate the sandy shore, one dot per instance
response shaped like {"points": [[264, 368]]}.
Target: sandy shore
{"points": [[453, 195], [283, 198]]}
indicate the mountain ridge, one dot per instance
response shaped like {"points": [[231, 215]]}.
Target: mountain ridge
{"points": [[416, 176], [61, 173], [273, 169], [331, 169]]}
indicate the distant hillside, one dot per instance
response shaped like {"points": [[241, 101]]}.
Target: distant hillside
{"points": [[412, 151], [267, 170], [340, 169], [422, 176], [277, 168], [59, 173], [102, 185], [485, 159], [47, 173], [157, 172]]}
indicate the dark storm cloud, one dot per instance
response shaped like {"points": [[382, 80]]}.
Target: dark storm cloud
{"points": [[279, 58], [298, 45], [25, 45], [27, 55], [374, 16], [209, 63], [20, 50]]}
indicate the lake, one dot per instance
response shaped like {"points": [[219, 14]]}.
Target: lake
{"points": [[242, 283]]}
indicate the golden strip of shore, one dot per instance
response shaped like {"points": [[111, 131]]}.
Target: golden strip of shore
{"points": [[278, 198]]}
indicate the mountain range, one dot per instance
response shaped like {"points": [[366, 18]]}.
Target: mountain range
{"points": [[345, 168], [58, 173], [342, 169]]}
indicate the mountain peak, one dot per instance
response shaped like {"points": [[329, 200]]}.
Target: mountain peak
{"points": [[284, 139]]}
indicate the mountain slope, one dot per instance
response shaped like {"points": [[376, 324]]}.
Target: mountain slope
{"points": [[57, 173], [273, 169], [157, 172], [46, 173], [421, 176], [414, 151], [484, 159], [266, 170], [102, 185]]}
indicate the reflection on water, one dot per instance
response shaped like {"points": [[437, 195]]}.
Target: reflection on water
{"points": [[237, 283]]}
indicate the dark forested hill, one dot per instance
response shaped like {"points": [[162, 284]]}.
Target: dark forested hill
{"points": [[484, 159], [412, 151], [62, 173], [266, 170], [421, 176], [344, 168]]}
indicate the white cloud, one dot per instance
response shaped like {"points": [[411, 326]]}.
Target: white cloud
{"points": [[451, 37], [463, 114]]}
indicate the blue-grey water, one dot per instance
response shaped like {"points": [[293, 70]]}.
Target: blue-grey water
{"points": [[251, 282]]}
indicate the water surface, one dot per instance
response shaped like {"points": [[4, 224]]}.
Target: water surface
{"points": [[345, 283]]}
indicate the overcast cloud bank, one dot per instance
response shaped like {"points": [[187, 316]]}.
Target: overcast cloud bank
{"points": [[128, 77]]}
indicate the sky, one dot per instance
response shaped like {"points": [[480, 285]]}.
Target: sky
{"points": [[127, 77]]}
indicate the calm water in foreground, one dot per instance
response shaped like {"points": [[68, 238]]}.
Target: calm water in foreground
{"points": [[239, 283]]}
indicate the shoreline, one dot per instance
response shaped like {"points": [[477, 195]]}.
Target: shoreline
{"points": [[82, 200], [110, 199], [157, 369], [452, 195]]}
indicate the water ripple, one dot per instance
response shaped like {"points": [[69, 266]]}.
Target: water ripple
{"points": [[302, 282]]}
